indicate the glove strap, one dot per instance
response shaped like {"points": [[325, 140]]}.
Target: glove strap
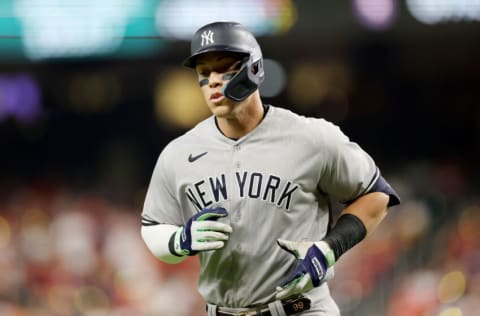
{"points": [[327, 252], [318, 259], [174, 245]]}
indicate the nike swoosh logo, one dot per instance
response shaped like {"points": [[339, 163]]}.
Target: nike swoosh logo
{"points": [[193, 158]]}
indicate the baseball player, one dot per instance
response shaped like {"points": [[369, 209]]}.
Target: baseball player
{"points": [[249, 191]]}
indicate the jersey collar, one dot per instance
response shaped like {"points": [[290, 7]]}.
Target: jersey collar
{"points": [[266, 108]]}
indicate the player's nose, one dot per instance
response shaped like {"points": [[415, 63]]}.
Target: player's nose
{"points": [[215, 79]]}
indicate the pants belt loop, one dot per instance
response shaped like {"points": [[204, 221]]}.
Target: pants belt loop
{"points": [[276, 308], [211, 310]]}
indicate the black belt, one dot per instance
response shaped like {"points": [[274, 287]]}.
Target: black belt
{"points": [[291, 306]]}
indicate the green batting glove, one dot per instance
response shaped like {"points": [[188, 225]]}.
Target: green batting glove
{"points": [[315, 262], [202, 232]]}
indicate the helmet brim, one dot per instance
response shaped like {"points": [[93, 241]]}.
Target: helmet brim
{"points": [[190, 61]]}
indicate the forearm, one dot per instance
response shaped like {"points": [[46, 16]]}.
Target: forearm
{"points": [[371, 209], [356, 221], [157, 237]]}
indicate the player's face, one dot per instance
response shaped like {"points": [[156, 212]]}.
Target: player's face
{"points": [[214, 71]]}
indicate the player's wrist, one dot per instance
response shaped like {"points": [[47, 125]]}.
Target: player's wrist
{"points": [[348, 231], [327, 252], [175, 244]]}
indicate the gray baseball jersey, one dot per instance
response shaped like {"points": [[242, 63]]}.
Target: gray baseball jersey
{"points": [[275, 182]]}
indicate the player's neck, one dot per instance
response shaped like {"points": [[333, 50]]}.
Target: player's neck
{"points": [[245, 119]]}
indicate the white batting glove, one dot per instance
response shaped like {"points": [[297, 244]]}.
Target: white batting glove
{"points": [[314, 266], [202, 232]]}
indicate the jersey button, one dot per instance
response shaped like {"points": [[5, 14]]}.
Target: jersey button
{"points": [[237, 164], [236, 147]]}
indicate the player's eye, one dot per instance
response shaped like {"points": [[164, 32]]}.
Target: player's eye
{"points": [[231, 67], [229, 75], [232, 70], [236, 66], [203, 72]]}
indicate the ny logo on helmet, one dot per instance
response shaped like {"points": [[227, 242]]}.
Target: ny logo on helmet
{"points": [[207, 38]]}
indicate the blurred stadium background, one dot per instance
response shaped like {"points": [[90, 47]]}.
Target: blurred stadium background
{"points": [[91, 91]]}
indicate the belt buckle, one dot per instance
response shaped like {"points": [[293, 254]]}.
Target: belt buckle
{"points": [[296, 305]]}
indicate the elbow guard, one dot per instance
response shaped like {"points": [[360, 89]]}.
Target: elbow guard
{"points": [[157, 238]]}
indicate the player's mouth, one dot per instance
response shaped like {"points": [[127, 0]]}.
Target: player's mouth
{"points": [[216, 97]]}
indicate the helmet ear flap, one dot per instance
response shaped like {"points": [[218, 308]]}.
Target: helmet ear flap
{"points": [[240, 86], [246, 81]]}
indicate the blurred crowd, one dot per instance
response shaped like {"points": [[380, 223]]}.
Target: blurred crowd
{"points": [[69, 252], [66, 253], [424, 259]]}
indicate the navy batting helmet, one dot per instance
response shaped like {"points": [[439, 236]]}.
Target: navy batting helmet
{"points": [[231, 37]]}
